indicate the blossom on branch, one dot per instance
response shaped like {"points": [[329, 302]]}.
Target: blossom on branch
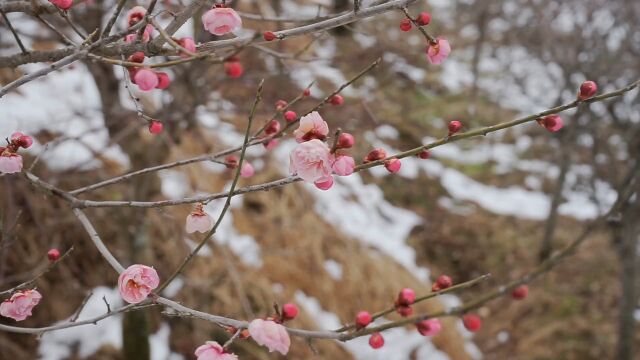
{"points": [[312, 126], [311, 161], [137, 282], [438, 51], [199, 220], [20, 305], [220, 21], [270, 334]]}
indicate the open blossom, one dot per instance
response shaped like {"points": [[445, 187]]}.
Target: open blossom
{"points": [[146, 79], [137, 282], [220, 21], [270, 334], [10, 163], [311, 160], [211, 350], [312, 126], [343, 165], [199, 221], [429, 327], [20, 305], [439, 51]]}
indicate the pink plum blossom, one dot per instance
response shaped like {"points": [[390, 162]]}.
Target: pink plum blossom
{"points": [[20, 305], [198, 221], [10, 163], [211, 350], [311, 161], [146, 79], [270, 334], [247, 170], [439, 51], [312, 126], [220, 21], [429, 327], [343, 165], [137, 282]]}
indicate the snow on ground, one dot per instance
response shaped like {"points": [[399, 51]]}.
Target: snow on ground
{"points": [[499, 200], [333, 268], [57, 345], [78, 117], [399, 342]]}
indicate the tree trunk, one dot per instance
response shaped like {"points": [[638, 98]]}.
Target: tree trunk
{"points": [[626, 237]]}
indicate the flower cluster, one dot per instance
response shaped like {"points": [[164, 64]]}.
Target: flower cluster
{"points": [[146, 78], [313, 160]]}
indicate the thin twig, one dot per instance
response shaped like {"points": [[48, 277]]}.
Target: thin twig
{"points": [[13, 31], [227, 204]]}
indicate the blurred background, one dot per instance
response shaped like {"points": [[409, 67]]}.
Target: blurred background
{"points": [[499, 204]]}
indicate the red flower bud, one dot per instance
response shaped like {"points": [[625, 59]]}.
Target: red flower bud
{"points": [[406, 297], [424, 18], [336, 100], [454, 127], [363, 318], [376, 340], [233, 69], [289, 311], [393, 165], [424, 154], [375, 154], [290, 116], [472, 322], [155, 127], [53, 255], [587, 89], [444, 282], [520, 292], [345, 141], [231, 161], [269, 35], [405, 25], [272, 128]]}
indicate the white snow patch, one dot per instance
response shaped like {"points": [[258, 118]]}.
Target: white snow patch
{"points": [[334, 269]]}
